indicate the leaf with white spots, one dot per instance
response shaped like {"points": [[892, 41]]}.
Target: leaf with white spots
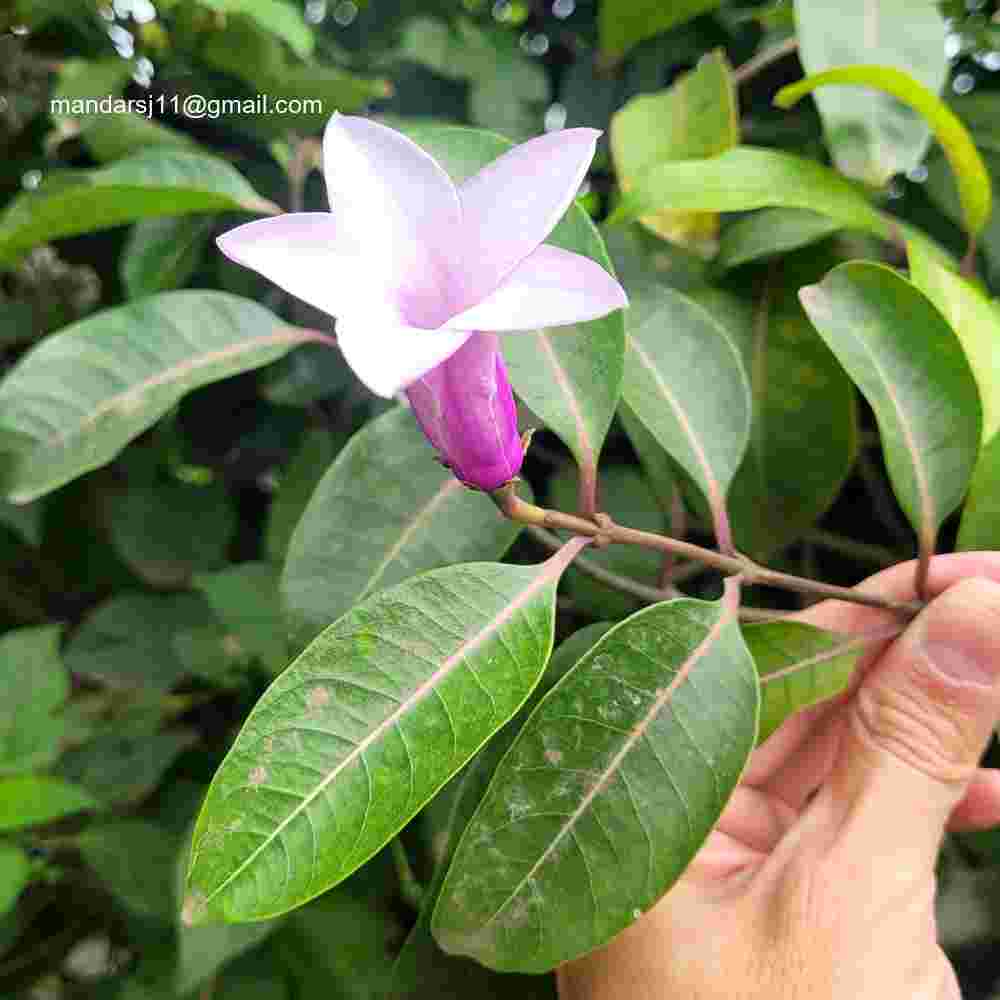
{"points": [[614, 783], [910, 366], [377, 713]]}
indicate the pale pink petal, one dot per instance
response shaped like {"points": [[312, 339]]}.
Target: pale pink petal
{"points": [[387, 355], [303, 254], [513, 203], [550, 287], [399, 207]]}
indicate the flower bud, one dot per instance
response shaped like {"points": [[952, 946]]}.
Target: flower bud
{"points": [[466, 408]]}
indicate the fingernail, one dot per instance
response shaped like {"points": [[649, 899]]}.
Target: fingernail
{"points": [[961, 661]]}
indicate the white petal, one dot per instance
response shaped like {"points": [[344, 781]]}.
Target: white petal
{"points": [[550, 287], [303, 253], [396, 203], [388, 356], [513, 204]]}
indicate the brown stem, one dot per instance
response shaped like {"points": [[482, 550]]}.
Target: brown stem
{"points": [[604, 531], [968, 266], [753, 66]]}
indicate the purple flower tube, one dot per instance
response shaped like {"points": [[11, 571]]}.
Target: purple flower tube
{"points": [[466, 408]]}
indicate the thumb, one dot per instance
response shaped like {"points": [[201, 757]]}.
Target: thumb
{"points": [[918, 725]]}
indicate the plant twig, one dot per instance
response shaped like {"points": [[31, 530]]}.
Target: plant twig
{"points": [[753, 66], [409, 887], [651, 595], [604, 531]]}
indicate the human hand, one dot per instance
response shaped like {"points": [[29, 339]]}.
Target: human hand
{"points": [[818, 880]]}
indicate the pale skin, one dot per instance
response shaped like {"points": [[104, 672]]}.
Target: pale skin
{"points": [[818, 881]]}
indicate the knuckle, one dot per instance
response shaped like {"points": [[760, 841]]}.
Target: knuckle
{"points": [[931, 737]]}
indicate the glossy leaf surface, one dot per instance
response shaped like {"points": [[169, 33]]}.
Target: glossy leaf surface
{"points": [[909, 365], [613, 784], [76, 399], [365, 726], [383, 511]]}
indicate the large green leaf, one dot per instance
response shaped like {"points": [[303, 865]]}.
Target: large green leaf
{"points": [[905, 359], [746, 177], [622, 24], [157, 182], [695, 118], [33, 685], [363, 728], [798, 665], [76, 399], [614, 783], [570, 376], [871, 135], [29, 800], [383, 511], [803, 439], [673, 355], [972, 178], [15, 870]]}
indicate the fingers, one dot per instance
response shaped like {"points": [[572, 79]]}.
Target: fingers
{"points": [[980, 807], [914, 732]]}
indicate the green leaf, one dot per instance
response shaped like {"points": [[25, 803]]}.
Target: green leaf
{"points": [[306, 375], [695, 118], [33, 686], [275, 16], [15, 871], [979, 528], [798, 665], [80, 79], [161, 254], [706, 433], [30, 800], [167, 530], [245, 599], [421, 968], [76, 399], [119, 134], [771, 232], [159, 182], [128, 757], [203, 951], [315, 455], [622, 24], [383, 511], [582, 362], [971, 175], [975, 320], [363, 728], [656, 464], [908, 364], [25, 520], [804, 436], [613, 784], [126, 641], [571, 376], [871, 135], [627, 497], [135, 860], [745, 178]]}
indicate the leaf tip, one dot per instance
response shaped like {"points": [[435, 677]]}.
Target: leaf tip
{"points": [[815, 301], [194, 910]]}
